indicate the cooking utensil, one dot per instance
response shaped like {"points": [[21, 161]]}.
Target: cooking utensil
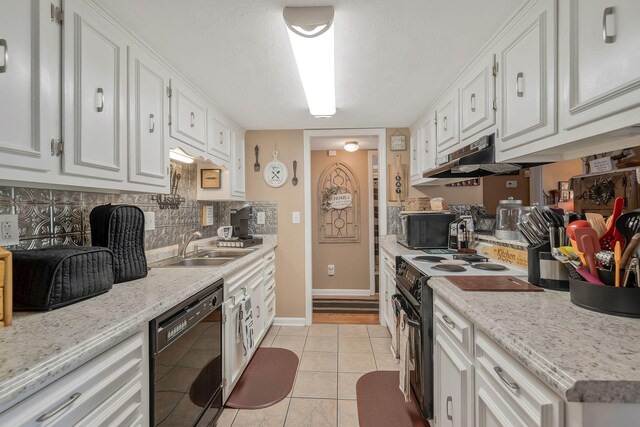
{"points": [[628, 224], [634, 266], [588, 276], [571, 228], [612, 235], [630, 249], [552, 236], [588, 243], [597, 223], [562, 236], [617, 256], [256, 165], [558, 255], [294, 181]]}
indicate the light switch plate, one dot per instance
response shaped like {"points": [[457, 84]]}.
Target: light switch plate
{"points": [[512, 184], [9, 230], [149, 221], [207, 215], [331, 269], [295, 217], [262, 218]]}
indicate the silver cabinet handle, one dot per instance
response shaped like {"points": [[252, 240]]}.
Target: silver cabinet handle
{"points": [[449, 404], [445, 121], [271, 257], [193, 119], [270, 309], [221, 138], [258, 310], [64, 405], [386, 295], [450, 323], [3, 67], [519, 79], [239, 164], [473, 102], [152, 123], [100, 101], [513, 386], [414, 153], [609, 11]]}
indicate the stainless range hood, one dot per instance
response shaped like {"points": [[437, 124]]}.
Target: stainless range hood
{"points": [[475, 161]]}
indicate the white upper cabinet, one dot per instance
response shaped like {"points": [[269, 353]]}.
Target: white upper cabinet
{"points": [[427, 144], [477, 95], [602, 74], [218, 138], [95, 94], [237, 167], [414, 162], [188, 116], [447, 116], [26, 36], [526, 78], [148, 115]]}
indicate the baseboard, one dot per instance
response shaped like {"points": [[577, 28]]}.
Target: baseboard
{"points": [[342, 292], [289, 321]]}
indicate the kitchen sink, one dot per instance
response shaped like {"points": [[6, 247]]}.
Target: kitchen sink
{"points": [[208, 257]]}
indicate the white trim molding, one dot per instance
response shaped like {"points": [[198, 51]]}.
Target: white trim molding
{"points": [[342, 292], [289, 321], [381, 133]]}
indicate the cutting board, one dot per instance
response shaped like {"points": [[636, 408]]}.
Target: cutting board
{"points": [[492, 284], [6, 294]]}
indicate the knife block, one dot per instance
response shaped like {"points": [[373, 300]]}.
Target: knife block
{"points": [[533, 261]]}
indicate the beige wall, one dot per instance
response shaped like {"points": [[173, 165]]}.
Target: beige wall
{"points": [[351, 260], [453, 195], [560, 171], [290, 251], [495, 189]]}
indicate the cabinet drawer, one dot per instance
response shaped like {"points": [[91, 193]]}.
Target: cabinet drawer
{"points": [[389, 261], [238, 280], [77, 395], [269, 271], [526, 395], [271, 310], [122, 408], [457, 326], [269, 288]]}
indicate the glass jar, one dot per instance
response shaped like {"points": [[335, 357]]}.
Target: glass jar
{"points": [[508, 213]]}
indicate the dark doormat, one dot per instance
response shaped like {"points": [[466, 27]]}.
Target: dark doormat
{"points": [[344, 305], [266, 381], [381, 404]]}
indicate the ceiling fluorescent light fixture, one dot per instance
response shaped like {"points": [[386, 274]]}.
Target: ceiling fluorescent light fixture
{"points": [[311, 35], [351, 146], [179, 155]]}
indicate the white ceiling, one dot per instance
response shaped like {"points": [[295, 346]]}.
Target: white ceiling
{"points": [[337, 143], [392, 56]]}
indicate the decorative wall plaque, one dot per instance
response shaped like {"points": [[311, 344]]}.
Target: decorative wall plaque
{"points": [[339, 201]]}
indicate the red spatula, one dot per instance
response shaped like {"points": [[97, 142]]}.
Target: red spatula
{"points": [[608, 240], [588, 244]]}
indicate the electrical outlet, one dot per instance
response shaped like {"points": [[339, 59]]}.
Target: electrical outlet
{"points": [[262, 218], [9, 230], [149, 221], [512, 184], [331, 270], [295, 217]]}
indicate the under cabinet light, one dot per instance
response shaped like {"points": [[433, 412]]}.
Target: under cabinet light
{"points": [[312, 40], [179, 155]]}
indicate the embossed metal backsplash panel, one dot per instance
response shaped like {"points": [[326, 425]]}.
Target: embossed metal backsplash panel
{"points": [[53, 217]]}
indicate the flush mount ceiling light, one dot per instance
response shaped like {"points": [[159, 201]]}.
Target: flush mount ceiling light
{"points": [[351, 146], [179, 155], [311, 35]]}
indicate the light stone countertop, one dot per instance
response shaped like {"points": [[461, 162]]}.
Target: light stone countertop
{"points": [[40, 347], [582, 355]]}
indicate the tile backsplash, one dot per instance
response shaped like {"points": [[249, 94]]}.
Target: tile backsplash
{"points": [[53, 217]]}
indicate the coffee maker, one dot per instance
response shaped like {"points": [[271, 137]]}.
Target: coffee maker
{"points": [[240, 222]]}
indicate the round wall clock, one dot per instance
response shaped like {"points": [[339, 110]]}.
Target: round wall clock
{"points": [[275, 172]]}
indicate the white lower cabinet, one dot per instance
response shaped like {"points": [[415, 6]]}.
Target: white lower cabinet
{"points": [[453, 382], [491, 409], [257, 283], [110, 390], [387, 270]]}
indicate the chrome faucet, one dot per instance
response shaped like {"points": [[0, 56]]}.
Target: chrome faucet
{"points": [[185, 239]]}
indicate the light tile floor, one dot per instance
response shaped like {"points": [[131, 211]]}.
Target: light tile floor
{"points": [[332, 359]]}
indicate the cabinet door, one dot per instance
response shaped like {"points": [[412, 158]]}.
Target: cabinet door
{"points": [[526, 74], [477, 93], [237, 166], [603, 75], [218, 138], [24, 130], [95, 94], [234, 352], [148, 109], [188, 116], [447, 123], [453, 383], [414, 162], [491, 409], [256, 291], [427, 145]]}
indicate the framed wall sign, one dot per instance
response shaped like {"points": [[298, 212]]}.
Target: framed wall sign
{"points": [[210, 178], [398, 141]]}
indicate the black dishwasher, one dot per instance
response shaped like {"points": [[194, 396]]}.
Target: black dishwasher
{"points": [[186, 361]]}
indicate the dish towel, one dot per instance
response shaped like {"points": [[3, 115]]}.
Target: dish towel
{"points": [[247, 325], [405, 356]]}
